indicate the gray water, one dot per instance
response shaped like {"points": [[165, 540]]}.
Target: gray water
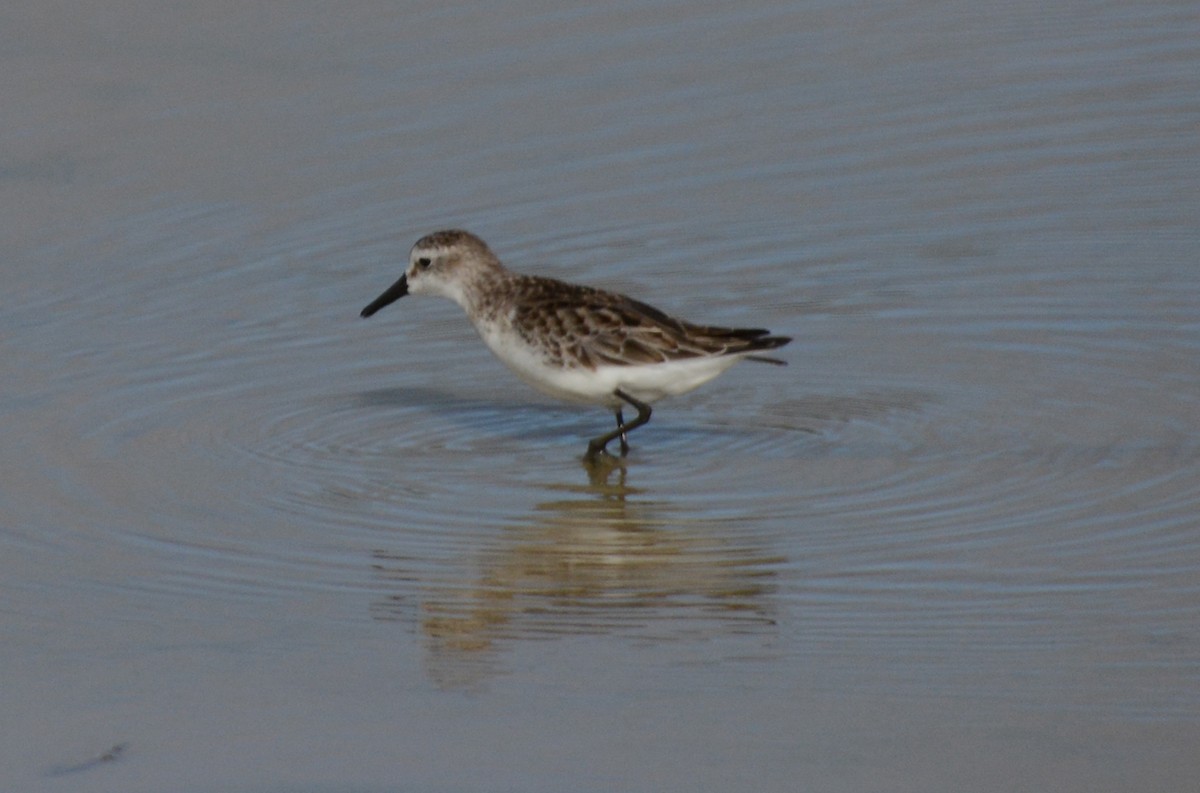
{"points": [[249, 542]]}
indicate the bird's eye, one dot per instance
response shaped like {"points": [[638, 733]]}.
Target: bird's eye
{"points": [[423, 262]]}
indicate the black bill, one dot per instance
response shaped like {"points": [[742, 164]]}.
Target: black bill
{"points": [[389, 296]]}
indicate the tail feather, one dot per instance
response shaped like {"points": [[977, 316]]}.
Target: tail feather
{"points": [[730, 333], [761, 342]]}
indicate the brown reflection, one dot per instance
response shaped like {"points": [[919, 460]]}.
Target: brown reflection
{"points": [[596, 558]]}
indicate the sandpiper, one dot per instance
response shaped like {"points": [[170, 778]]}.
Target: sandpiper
{"points": [[574, 342]]}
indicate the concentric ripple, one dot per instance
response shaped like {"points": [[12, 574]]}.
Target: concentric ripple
{"points": [[980, 477]]}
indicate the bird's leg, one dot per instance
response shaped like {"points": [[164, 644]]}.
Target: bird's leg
{"points": [[596, 445], [642, 408], [624, 440]]}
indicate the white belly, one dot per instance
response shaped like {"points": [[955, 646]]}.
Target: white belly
{"points": [[645, 382]]}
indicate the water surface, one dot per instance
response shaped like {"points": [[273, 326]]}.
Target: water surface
{"points": [[249, 542]]}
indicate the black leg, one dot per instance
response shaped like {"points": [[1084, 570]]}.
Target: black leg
{"points": [[596, 445], [624, 440]]}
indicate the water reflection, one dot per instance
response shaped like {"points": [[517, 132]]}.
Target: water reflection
{"points": [[595, 558]]}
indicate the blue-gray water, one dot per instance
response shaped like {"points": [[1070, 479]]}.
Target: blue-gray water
{"points": [[262, 545]]}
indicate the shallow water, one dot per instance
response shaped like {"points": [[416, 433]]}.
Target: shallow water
{"points": [[249, 542]]}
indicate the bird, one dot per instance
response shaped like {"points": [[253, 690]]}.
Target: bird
{"points": [[576, 343]]}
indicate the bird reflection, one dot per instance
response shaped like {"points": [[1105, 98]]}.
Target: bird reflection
{"points": [[603, 557]]}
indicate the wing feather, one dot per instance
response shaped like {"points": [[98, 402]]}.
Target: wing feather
{"points": [[582, 326]]}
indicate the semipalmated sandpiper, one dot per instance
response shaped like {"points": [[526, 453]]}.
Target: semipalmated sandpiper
{"points": [[574, 342]]}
